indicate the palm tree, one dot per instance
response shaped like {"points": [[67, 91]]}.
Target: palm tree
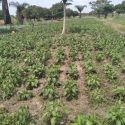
{"points": [[6, 14], [80, 9], [65, 3], [20, 8]]}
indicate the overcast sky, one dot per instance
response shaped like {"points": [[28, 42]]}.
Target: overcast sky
{"points": [[48, 3]]}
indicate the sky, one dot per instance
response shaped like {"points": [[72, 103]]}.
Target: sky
{"points": [[49, 3]]}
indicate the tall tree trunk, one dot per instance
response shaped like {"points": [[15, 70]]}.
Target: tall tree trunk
{"points": [[7, 18], [80, 15], [64, 20]]}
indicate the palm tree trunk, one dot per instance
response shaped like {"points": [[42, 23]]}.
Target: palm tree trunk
{"points": [[64, 20], [80, 15], [7, 18]]}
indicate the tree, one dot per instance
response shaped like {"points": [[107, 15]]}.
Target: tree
{"points": [[120, 8], [57, 10], [102, 7], [36, 12], [20, 8], [80, 9], [6, 14], [108, 8], [1, 14], [65, 3]]}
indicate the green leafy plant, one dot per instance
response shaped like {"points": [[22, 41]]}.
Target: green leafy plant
{"points": [[119, 92], [89, 67], [93, 81], [53, 71], [70, 89], [22, 116], [100, 56], [73, 54], [72, 72], [60, 55], [32, 82], [123, 68], [116, 115], [54, 113], [86, 120], [97, 96], [49, 92], [39, 70], [24, 95], [110, 72]]}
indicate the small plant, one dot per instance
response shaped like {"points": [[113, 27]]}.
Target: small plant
{"points": [[39, 70], [100, 56], [97, 96], [89, 67], [24, 95], [53, 81], [115, 58], [70, 89], [72, 72], [119, 92], [86, 120], [75, 29], [22, 116], [6, 89], [48, 92], [116, 115], [73, 54], [53, 113], [32, 82], [110, 72], [93, 81], [123, 68], [53, 71], [60, 55]]}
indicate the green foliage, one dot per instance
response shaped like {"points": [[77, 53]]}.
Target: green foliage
{"points": [[97, 96], [53, 113], [116, 115], [72, 72], [93, 81], [75, 29], [24, 95], [110, 72], [39, 70], [119, 92], [70, 89], [89, 67], [73, 54], [49, 92], [100, 56], [21, 117], [32, 82], [86, 120], [123, 68], [53, 71], [6, 90], [59, 55]]}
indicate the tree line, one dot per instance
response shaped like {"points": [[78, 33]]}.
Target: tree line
{"points": [[58, 10], [99, 7]]}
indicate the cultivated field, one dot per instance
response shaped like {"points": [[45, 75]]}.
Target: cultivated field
{"points": [[75, 79]]}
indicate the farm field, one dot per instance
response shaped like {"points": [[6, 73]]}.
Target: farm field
{"points": [[75, 79]]}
